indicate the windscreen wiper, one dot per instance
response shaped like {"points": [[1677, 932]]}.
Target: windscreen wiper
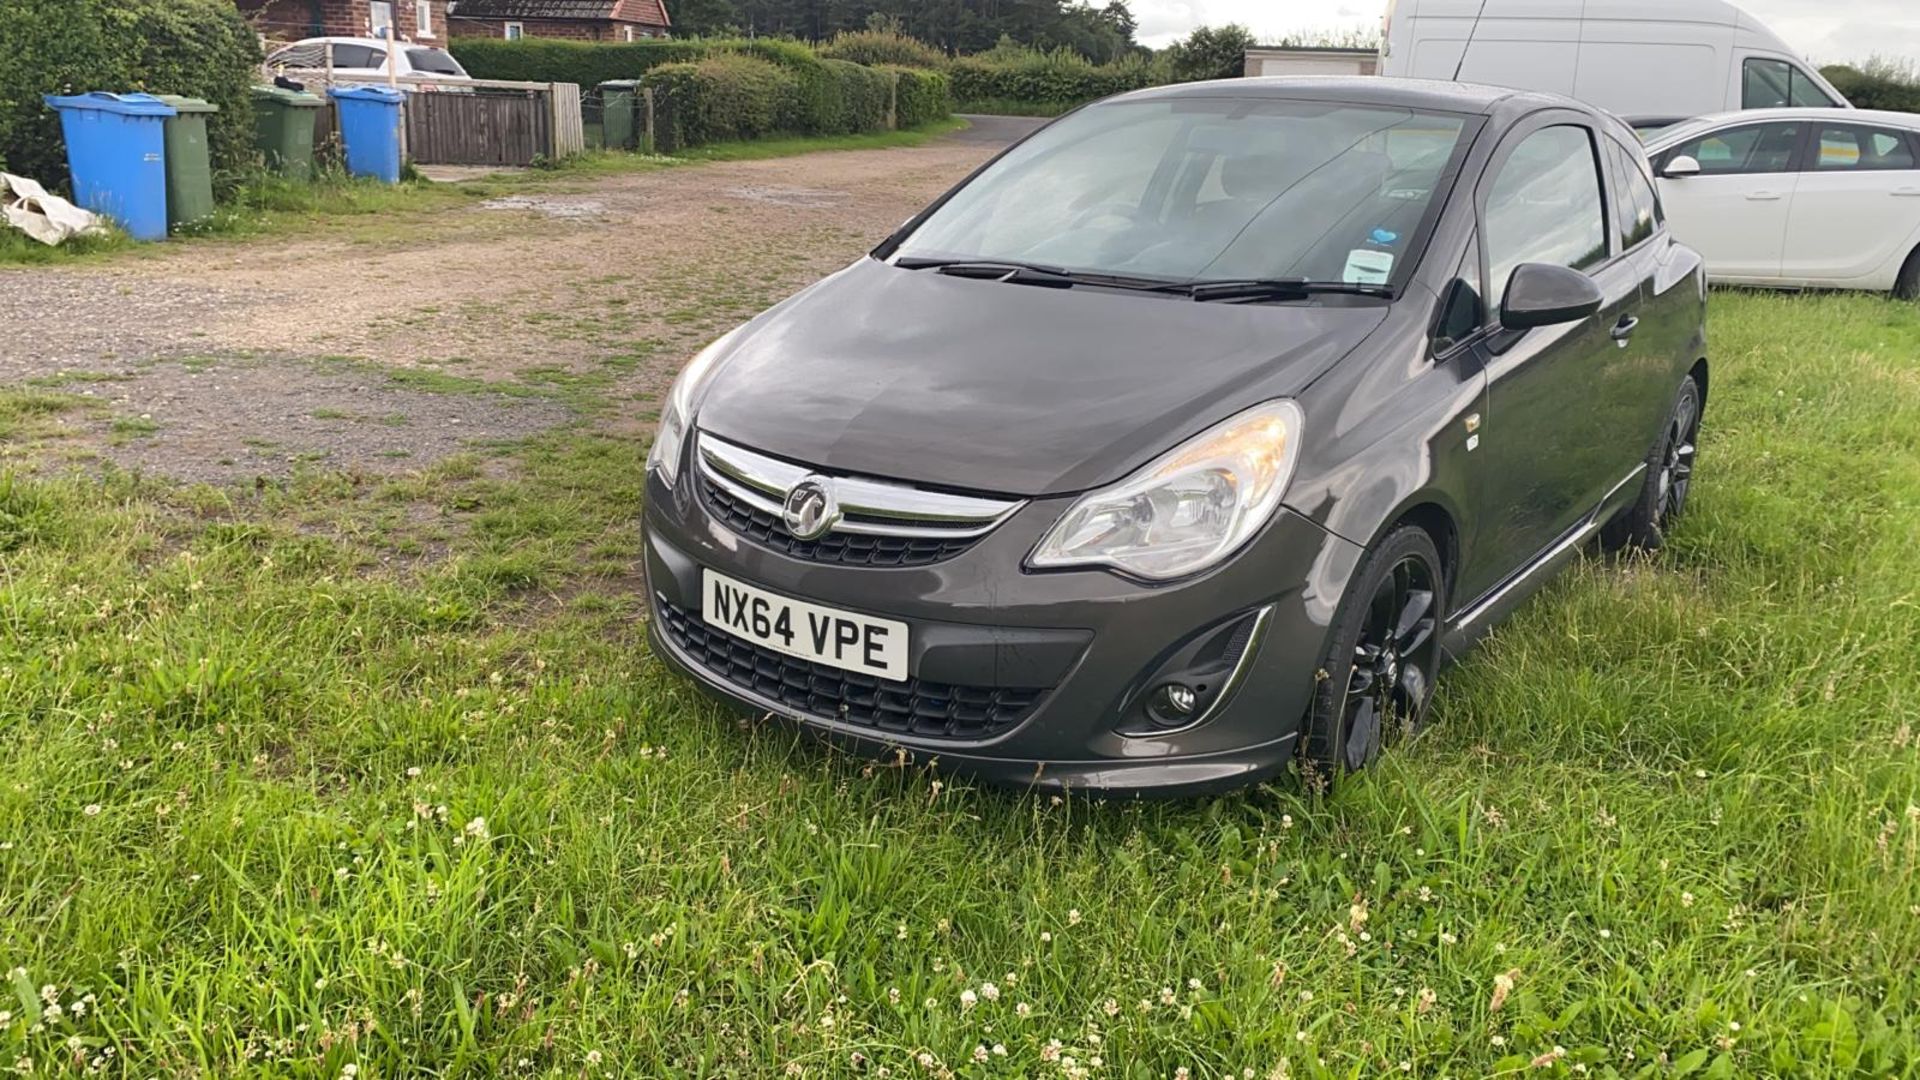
{"points": [[1019, 273], [1026, 273], [1278, 289]]}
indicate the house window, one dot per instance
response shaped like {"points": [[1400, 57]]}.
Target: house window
{"points": [[423, 18], [380, 14], [514, 31]]}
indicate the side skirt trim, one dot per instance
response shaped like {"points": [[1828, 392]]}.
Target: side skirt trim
{"points": [[1580, 534]]}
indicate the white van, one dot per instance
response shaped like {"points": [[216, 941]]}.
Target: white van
{"points": [[1651, 62]]}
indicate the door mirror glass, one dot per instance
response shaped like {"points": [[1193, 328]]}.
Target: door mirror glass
{"points": [[1682, 166], [1541, 294]]}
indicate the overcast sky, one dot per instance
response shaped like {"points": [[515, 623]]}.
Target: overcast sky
{"points": [[1829, 31]]}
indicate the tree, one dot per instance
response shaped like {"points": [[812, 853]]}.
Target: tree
{"points": [[703, 18], [1210, 53]]}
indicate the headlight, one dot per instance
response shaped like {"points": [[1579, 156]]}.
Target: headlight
{"points": [[677, 414], [1188, 509]]}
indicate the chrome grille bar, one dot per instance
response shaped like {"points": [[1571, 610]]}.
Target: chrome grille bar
{"points": [[870, 507]]}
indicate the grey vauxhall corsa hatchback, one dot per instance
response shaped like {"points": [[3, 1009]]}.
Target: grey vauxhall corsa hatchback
{"points": [[1188, 437]]}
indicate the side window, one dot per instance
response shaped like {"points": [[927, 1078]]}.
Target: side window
{"points": [[1802, 90], [1858, 149], [1635, 212], [1465, 310], [358, 56], [1545, 206], [1756, 148], [1776, 84]]}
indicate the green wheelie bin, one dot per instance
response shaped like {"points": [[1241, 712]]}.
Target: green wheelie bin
{"points": [[619, 107], [189, 167], [283, 129]]}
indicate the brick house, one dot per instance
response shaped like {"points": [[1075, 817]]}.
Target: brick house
{"points": [[580, 20], [291, 20]]}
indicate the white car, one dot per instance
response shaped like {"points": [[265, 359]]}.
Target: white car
{"points": [[1797, 198], [366, 58]]}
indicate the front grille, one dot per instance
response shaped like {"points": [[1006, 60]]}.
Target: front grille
{"points": [[850, 549], [915, 707]]}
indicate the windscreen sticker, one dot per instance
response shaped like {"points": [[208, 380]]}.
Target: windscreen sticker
{"points": [[1368, 267]]}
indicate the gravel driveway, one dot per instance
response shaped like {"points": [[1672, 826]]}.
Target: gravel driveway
{"points": [[234, 359]]}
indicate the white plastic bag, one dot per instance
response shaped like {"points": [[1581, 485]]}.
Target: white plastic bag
{"points": [[47, 218]]}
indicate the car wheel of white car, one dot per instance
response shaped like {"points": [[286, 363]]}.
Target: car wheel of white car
{"points": [[1908, 287]]}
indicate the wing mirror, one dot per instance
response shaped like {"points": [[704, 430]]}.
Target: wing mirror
{"points": [[1540, 294], [1681, 167]]}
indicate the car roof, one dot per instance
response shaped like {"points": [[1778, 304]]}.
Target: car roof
{"points": [[378, 43], [1698, 124], [1434, 95]]}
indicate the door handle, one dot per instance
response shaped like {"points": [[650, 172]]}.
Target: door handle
{"points": [[1622, 331], [1763, 196], [1907, 192]]}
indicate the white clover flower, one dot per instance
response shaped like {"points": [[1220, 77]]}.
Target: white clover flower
{"points": [[1073, 917], [91, 810], [990, 991], [968, 999]]}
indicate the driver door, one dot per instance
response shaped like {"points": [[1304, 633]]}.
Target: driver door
{"points": [[1542, 464]]}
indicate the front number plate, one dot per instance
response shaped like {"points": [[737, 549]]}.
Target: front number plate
{"points": [[823, 635]]}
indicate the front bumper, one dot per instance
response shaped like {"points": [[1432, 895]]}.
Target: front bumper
{"points": [[1056, 665]]}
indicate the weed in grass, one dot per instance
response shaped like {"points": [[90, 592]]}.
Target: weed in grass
{"points": [[126, 428], [278, 804]]}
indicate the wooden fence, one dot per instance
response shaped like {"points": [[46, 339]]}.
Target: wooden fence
{"points": [[475, 122], [483, 128]]}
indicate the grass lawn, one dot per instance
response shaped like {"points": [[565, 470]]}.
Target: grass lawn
{"points": [[379, 774]]}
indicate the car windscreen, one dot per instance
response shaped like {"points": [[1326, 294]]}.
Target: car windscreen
{"points": [[434, 62], [1206, 189]]}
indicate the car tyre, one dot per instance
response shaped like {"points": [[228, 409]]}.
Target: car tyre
{"points": [[1669, 478], [1377, 679], [1908, 286]]}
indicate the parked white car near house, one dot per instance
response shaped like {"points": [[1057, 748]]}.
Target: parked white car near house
{"points": [[1650, 62], [1797, 198], [366, 59]]}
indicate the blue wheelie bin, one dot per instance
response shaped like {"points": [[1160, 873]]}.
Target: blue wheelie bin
{"points": [[370, 128], [116, 151]]}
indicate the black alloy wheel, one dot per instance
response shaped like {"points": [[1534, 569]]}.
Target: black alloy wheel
{"points": [[1676, 467], [1669, 478], [1379, 676]]}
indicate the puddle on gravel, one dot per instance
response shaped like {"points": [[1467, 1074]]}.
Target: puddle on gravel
{"points": [[789, 196], [563, 209]]}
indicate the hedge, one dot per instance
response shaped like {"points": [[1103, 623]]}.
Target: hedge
{"points": [[719, 98], [879, 48], [921, 97], [548, 60], [765, 88], [1061, 77], [200, 48], [1878, 84]]}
